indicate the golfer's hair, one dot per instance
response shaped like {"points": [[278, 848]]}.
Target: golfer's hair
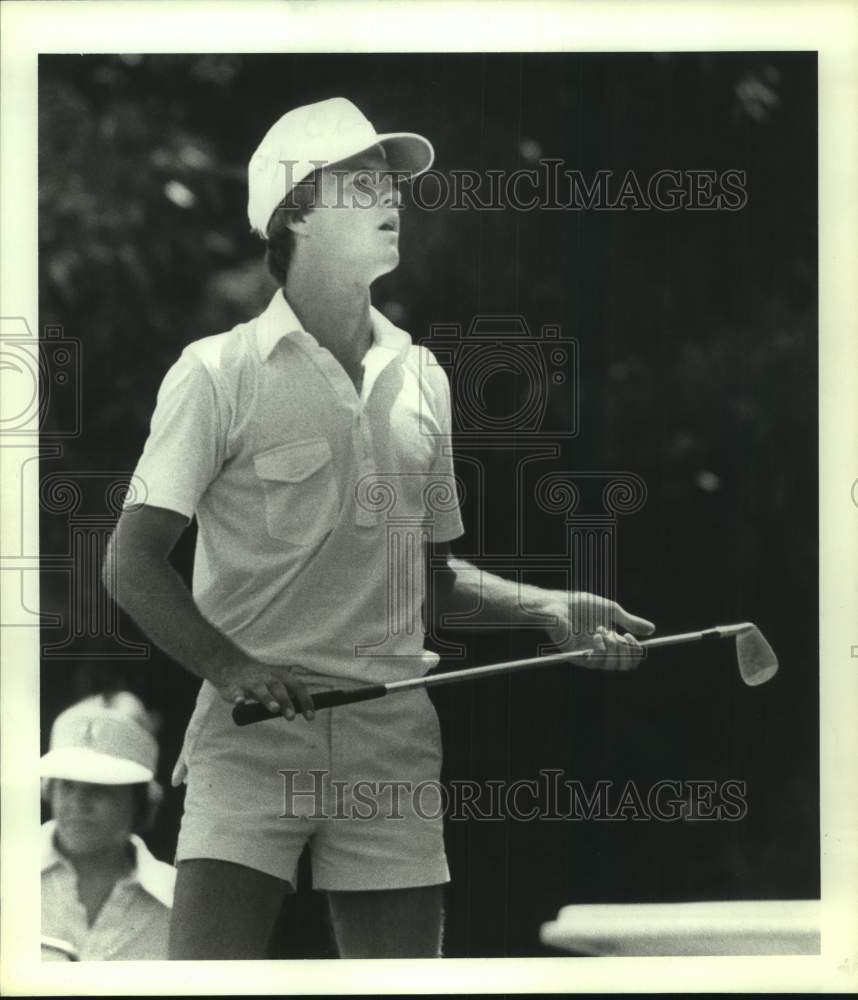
{"points": [[280, 242]]}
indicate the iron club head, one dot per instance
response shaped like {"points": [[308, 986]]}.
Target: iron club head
{"points": [[757, 661]]}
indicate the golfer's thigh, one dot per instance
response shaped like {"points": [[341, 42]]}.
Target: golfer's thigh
{"points": [[222, 910], [388, 923]]}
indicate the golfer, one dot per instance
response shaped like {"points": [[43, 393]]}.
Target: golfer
{"points": [[312, 446]]}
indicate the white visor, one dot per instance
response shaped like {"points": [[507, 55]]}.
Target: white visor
{"points": [[92, 767]]}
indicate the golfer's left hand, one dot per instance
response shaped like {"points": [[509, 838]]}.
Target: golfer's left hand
{"points": [[576, 612]]}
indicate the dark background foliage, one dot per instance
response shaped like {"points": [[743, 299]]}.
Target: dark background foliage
{"points": [[698, 338]]}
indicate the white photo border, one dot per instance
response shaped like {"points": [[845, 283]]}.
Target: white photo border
{"points": [[247, 26]]}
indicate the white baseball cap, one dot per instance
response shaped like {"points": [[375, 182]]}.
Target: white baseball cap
{"points": [[320, 135], [101, 743]]}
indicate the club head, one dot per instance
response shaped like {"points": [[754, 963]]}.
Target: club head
{"points": [[757, 660]]}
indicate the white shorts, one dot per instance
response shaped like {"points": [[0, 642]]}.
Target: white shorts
{"points": [[360, 784]]}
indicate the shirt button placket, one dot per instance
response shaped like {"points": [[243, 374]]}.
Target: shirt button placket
{"points": [[362, 444]]}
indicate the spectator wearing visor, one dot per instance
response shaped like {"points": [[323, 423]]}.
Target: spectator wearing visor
{"points": [[104, 895]]}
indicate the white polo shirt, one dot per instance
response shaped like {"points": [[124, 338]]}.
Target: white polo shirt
{"points": [[313, 503], [133, 924]]}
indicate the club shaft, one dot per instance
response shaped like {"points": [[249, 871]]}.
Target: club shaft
{"points": [[719, 632], [249, 713], [470, 673]]}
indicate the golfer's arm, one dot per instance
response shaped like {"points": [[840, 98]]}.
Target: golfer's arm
{"points": [[461, 588], [138, 576]]}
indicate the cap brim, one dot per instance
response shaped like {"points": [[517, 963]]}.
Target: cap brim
{"points": [[81, 764], [406, 152]]}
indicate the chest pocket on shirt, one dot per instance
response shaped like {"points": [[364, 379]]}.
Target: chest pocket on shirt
{"points": [[301, 497]]}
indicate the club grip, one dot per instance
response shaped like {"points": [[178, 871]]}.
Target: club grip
{"points": [[247, 714]]}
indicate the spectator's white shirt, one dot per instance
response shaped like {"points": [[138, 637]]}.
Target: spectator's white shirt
{"points": [[132, 924]]}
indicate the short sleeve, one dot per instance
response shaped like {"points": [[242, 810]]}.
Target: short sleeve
{"points": [[446, 512], [185, 448]]}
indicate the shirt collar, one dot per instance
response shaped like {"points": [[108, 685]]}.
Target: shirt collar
{"points": [[153, 876], [279, 321]]}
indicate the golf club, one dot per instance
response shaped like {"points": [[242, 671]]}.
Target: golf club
{"points": [[756, 659]]}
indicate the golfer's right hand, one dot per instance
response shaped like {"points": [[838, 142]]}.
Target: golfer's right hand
{"points": [[276, 687]]}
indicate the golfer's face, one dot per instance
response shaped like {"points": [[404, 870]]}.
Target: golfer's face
{"points": [[357, 225], [91, 818]]}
